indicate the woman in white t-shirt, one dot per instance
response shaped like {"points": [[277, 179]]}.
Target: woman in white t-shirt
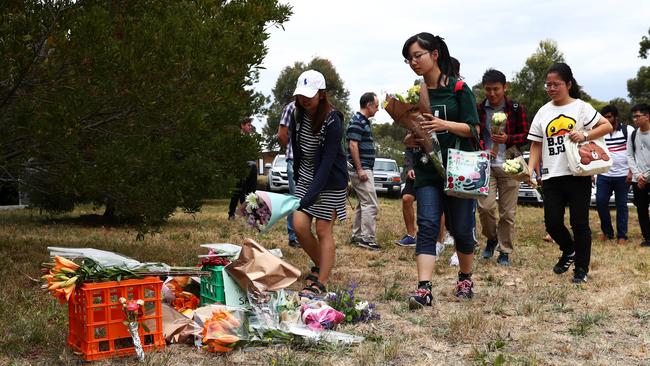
{"points": [[565, 116]]}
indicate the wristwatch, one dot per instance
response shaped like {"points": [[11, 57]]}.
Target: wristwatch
{"points": [[586, 135]]}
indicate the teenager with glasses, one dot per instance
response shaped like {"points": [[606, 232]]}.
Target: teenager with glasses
{"points": [[638, 158], [454, 119], [565, 116]]}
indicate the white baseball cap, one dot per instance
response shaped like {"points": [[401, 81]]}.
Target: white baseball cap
{"points": [[309, 83]]}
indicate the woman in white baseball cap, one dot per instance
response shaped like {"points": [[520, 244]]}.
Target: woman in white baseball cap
{"points": [[321, 176]]}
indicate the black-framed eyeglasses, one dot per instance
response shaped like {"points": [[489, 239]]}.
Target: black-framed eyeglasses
{"points": [[416, 57]]}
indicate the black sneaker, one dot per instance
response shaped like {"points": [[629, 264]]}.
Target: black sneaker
{"points": [[369, 245], [563, 263], [294, 244], [489, 249], [420, 299], [355, 240], [503, 259], [465, 288], [579, 275]]}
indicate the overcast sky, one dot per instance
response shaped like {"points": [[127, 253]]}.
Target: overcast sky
{"points": [[363, 39]]}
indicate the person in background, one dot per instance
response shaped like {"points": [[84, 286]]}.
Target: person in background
{"points": [[247, 184], [565, 116], [500, 233], [283, 136], [638, 158], [321, 175], [457, 122], [361, 161], [615, 180]]}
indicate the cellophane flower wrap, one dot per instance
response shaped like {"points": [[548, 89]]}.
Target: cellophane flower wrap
{"points": [[222, 330], [133, 310], [406, 113], [263, 209], [320, 316]]}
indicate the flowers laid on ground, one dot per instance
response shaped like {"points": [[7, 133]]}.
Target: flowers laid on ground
{"points": [[355, 310], [61, 278], [63, 275], [220, 332], [319, 316]]}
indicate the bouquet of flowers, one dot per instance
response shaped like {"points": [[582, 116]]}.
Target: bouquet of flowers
{"points": [[497, 127], [517, 168], [355, 310], [263, 209], [221, 331], [406, 113], [132, 311]]}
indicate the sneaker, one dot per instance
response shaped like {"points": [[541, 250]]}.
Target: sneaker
{"points": [[604, 237], [489, 249], [579, 275], [621, 241], [453, 261], [439, 248], [420, 299], [645, 243], [564, 263], [369, 245], [294, 243], [464, 289], [355, 240], [449, 240], [503, 259], [231, 217], [406, 241]]}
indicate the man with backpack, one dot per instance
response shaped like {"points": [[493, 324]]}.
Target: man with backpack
{"points": [[500, 234], [615, 180], [638, 158]]}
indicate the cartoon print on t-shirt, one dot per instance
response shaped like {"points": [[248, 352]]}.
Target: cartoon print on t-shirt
{"points": [[555, 131], [561, 125]]}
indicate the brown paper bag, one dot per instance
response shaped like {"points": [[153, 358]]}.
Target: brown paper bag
{"points": [[177, 328], [257, 270]]}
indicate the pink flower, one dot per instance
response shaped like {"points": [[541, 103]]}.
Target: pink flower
{"points": [[132, 305]]}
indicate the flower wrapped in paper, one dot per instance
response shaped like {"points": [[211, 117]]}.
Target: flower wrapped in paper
{"points": [[263, 209], [409, 116], [517, 169]]}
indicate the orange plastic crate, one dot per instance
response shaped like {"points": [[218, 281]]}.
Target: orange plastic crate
{"points": [[96, 328]]}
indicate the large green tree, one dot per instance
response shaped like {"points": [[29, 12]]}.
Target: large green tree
{"points": [[286, 84], [644, 46], [130, 104], [639, 88], [527, 86]]}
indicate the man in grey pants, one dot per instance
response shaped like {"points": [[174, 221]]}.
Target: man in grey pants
{"points": [[361, 160]]}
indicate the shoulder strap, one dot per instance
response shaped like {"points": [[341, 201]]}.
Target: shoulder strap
{"points": [[633, 142], [624, 127]]}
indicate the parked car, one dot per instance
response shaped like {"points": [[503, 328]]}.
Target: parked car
{"points": [[387, 176], [277, 176]]}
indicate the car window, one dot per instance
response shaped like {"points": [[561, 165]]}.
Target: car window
{"points": [[280, 162], [386, 166]]}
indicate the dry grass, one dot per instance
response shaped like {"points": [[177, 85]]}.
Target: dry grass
{"points": [[523, 314]]}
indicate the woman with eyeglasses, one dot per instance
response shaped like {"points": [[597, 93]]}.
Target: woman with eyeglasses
{"points": [[454, 119], [565, 116], [321, 175]]}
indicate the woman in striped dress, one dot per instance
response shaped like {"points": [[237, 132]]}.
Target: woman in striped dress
{"points": [[321, 176]]}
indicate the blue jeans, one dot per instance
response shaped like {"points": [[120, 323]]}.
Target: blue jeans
{"points": [[604, 188], [459, 218], [292, 190]]}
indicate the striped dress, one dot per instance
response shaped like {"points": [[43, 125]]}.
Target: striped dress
{"points": [[327, 201]]}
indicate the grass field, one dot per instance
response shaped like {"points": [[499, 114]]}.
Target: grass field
{"points": [[521, 315]]}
